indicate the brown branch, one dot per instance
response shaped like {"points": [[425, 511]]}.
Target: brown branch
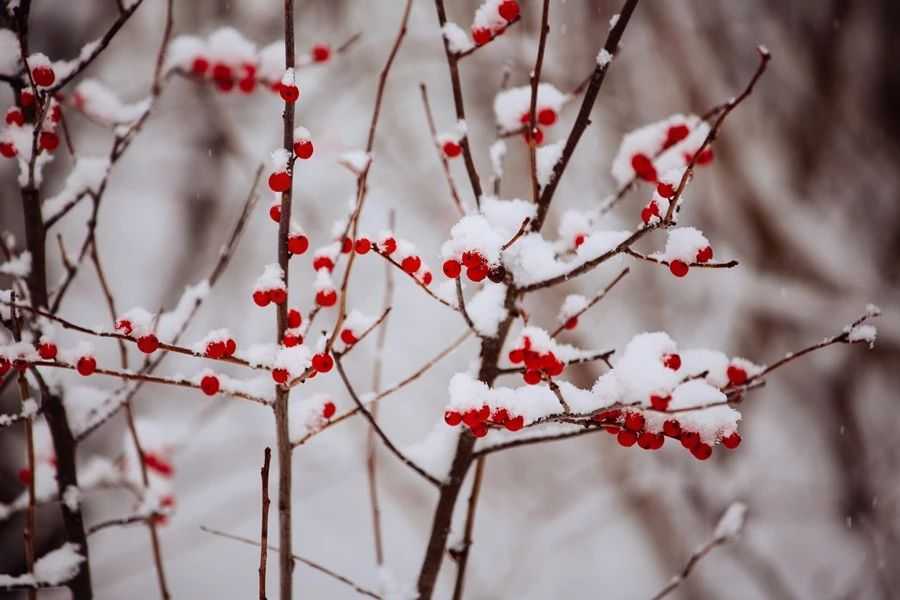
{"points": [[567, 410], [688, 567], [264, 526], [453, 65], [460, 299], [390, 390], [313, 565], [604, 356], [378, 430], [522, 228], [659, 261], [445, 165], [593, 301], [424, 287], [764, 57], [532, 108], [584, 114], [461, 55], [461, 554]]}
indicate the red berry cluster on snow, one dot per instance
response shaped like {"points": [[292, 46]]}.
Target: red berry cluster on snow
{"points": [[477, 268], [478, 420], [508, 11], [538, 365]]}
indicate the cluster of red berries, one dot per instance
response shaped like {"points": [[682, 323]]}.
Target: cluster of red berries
{"points": [[321, 363], [537, 364], [221, 348], [509, 11], [478, 420], [643, 165], [679, 268], [477, 268], [629, 430], [18, 364], [263, 298], [545, 116], [291, 336]]}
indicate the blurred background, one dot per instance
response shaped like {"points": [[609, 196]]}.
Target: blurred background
{"points": [[804, 192]]}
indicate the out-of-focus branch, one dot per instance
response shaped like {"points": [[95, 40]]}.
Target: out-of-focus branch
{"points": [[443, 159], [264, 522], [593, 301]]}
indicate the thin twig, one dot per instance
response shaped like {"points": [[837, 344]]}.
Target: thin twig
{"points": [[445, 165], [264, 522], [313, 565], [532, 108], [461, 301], [593, 301], [384, 438]]}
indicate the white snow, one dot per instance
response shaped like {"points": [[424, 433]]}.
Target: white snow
{"points": [[486, 308], [86, 176], [58, 566], [511, 104], [604, 57], [731, 522], [272, 278], [863, 333], [572, 305], [683, 243], [547, 156], [457, 39], [355, 160], [99, 102], [18, 266], [498, 153]]}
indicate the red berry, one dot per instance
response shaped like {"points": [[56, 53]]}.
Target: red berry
{"points": [[451, 149], [280, 375], [516, 356], [4, 366], [275, 212], [7, 149], [328, 409], [484, 413], [56, 113], [452, 418], [47, 350], [14, 116], [732, 441], [230, 347], [215, 349], [323, 262], [86, 365], [210, 385], [532, 377], [705, 254], [278, 296], [509, 10], [225, 85], [43, 76], [689, 439], [647, 440], [736, 375], [426, 278], [471, 418], [322, 362], [389, 246], [26, 98], [362, 246], [221, 72], [634, 421], [148, 344], [477, 272], [124, 325], [25, 476], [289, 93], [547, 116], [262, 297], [348, 337], [538, 136], [481, 36], [247, 85], [199, 66], [303, 149], [515, 423], [280, 182], [626, 438], [321, 53], [294, 318], [705, 157], [608, 415], [159, 464], [643, 167], [666, 190], [672, 361], [326, 298], [658, 441], [451, 268], [679, 268], [346, 245], [49, 141], [672, 428], [411, 264], [290, 340], [571, 323], [479, 430], [675, 134], [579, 239], [701, 451], [500, 416], [297, 244], [660, 403]]}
